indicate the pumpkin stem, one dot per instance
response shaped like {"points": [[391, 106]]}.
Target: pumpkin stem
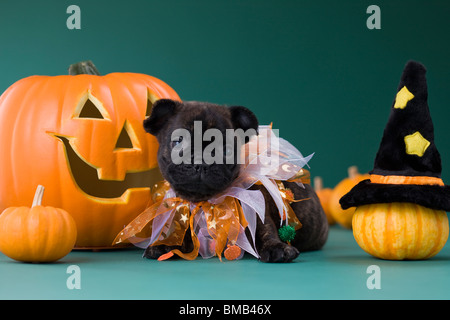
{"points": [[352, 172], [318, 183], [83, 67], [38, 196]]}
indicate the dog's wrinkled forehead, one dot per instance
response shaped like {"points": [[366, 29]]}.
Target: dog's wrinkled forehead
{"points": [[209, 115], [168, 115]]}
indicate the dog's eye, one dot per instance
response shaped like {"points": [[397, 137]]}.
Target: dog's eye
{"points": [[177, 141]]}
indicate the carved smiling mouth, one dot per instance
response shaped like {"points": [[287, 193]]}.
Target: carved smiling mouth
{"points": [[86, 176]]}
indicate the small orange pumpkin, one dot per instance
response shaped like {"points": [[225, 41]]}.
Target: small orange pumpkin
{"points": [[324, 195], [400, 231], [36, 234], [344, 217]]}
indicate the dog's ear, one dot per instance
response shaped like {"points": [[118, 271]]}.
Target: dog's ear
{"points": [[162, 110], [243, 118]]}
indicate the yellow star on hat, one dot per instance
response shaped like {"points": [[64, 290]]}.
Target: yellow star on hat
{"points": [[402, 98], [416, 144]]}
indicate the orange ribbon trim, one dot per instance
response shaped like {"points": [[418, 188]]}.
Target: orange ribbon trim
{"points": [[418, 180], [302, 176]]}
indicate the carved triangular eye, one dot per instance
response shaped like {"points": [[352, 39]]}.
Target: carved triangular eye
{"points": [[89, 110], [89, 107]]}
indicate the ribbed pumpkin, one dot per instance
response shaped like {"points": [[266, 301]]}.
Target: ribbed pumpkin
{"points": [[341, 216], [400, 231], [324, 195], [36, 234], [81, 135]]}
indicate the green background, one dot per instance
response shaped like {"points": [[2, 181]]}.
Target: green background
{"points": [[312, 68]]}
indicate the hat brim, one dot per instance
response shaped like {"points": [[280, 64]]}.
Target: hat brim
{"points": [[431, 196]]}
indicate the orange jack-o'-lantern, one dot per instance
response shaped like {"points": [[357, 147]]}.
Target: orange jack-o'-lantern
{"points": [[81, 135]]}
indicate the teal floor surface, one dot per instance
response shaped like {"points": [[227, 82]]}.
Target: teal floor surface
{"points": [[340, 271]]}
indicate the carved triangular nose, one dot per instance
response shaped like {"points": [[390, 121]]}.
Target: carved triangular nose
{"points": [[124, 140]]}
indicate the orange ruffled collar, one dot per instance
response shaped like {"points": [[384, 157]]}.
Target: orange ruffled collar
{"points": [[168, 219]]}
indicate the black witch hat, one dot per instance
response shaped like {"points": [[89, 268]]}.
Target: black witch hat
{"points": [[408, 165]]}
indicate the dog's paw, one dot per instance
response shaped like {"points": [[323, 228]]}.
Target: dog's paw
{"points": [[155, 252], [279, 252]]}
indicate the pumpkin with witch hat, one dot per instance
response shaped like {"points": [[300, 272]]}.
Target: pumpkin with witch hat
{"points": [[401, 210]]}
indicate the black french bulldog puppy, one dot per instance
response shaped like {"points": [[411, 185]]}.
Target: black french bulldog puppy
{"points": [[199, 182]]}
